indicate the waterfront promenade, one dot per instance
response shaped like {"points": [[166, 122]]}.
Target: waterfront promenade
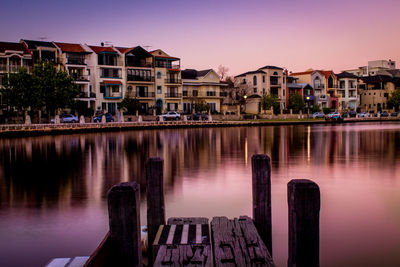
{"points": [[21, 130]]}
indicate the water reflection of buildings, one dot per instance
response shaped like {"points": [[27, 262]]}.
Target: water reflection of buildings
{"points": [[79, 169]]}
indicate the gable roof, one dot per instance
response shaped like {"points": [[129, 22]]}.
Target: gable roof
{"points": [[271, 67], [8, 46], [193, 74], [161, 54], [71, 48], [32, 44], [301, 73], [346, 74], [99, 49], [250, 72]]}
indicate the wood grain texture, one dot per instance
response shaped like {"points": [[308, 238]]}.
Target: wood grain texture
{"points": [[237, 243], [304, 207]]}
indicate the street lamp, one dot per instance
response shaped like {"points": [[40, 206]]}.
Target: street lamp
{"points": [[245, 97]]}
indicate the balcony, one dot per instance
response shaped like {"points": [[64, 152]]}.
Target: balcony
{"points": [[86, 95], [319, 86], [139, 64], [145, 94], [173, 95], [175, 67], [211, 93], [76, 61], [173, 80], [275, 83], [3, 67], [79, 78], [137, 78]]}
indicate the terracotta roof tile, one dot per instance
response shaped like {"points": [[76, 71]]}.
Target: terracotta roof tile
{"points": [[4, 46], [99, 49], [72, 48]]}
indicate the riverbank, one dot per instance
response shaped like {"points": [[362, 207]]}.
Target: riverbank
{"points": [[22, 130]]}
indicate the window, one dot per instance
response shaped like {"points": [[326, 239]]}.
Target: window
{"points": [[255, 80], [158, 75], [275, 73], [88, 72], [263, 78], [255, 90], [159, 89], [263, 91], [115, 88], [283, 79], [110, 73]]}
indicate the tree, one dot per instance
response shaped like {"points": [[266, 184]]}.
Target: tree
{"points": [[296, 102], [394, 99], [56, 88], [222, 72], [131, 104], [268, 101], [201, 106], [18, 91]]}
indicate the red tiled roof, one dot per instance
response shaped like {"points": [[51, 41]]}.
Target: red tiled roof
{"points": [[99, 49], [73, 48], [112, 82], [124, 50], [301, 73], [327, 73], [4, 46]]}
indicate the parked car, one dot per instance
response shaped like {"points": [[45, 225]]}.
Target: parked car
{"points": [[382, 114], [349, 114], [98, 118], [318, 115], [333, 115], [198, 117], [363, 115], [67, 118], [394, 114], [170, 115]]}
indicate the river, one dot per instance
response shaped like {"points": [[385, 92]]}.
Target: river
{"points": [[53, 188]]}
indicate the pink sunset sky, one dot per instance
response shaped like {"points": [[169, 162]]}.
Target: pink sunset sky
{"points": [[242, 35]]}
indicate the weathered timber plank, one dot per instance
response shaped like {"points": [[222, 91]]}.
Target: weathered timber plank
{"points": [[185, 242], [237, 243]]}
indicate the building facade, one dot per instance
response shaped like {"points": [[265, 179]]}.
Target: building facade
{"points": [[201, 86], [347, 90]]}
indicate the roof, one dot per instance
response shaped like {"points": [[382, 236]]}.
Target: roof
{"points": [[326, 73], [346, 74], [71, 48], [271, 67], [99, 49], [193, 74], [377, 79], [7, 46], [298, 85], [32, 44], [301, 73], [250, 72]]}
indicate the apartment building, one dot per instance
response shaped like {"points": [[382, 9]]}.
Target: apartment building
{"points": [[138, 76], [42, 50], [73, 59], [324, 84], [106, 65], [198, 86], [347, 90], [373, 68], [303, 89], [269, 80], [168, 82]]}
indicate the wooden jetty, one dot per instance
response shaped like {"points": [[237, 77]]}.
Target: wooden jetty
{"points": [[194, 242]]}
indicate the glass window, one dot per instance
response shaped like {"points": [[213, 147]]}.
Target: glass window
{"points": [[158, 75], [159, 89]]}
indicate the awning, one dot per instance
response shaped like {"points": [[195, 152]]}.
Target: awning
{"points": [[112, 82]]}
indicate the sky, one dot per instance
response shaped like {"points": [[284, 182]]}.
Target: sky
{"points": [[241, 35]]}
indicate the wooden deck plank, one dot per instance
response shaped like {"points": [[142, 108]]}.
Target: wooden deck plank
{"points": [[237, 243]]}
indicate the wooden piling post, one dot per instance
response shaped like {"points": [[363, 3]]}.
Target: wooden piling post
{"points": [[261, 176], [124, 220], [155, 201], [304, 206]]}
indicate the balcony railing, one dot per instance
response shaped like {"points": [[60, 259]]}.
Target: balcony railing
{"points": [[3, 67], [139, 64], [86, 95], [77, 77], [76, 61], [145, 94], [174, 66], [131, 77], [178, 81], [211, 93], [275, 83], [173, 95]]}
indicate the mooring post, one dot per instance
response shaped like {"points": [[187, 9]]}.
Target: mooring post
{"points": [[155, 201], [304, 206], [261, 176], [124, 220]]}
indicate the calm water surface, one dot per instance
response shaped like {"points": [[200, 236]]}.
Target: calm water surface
{"points": [[53, 189]]}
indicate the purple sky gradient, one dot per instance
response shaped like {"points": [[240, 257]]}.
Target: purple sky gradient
{"points": [[242, 35]]}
